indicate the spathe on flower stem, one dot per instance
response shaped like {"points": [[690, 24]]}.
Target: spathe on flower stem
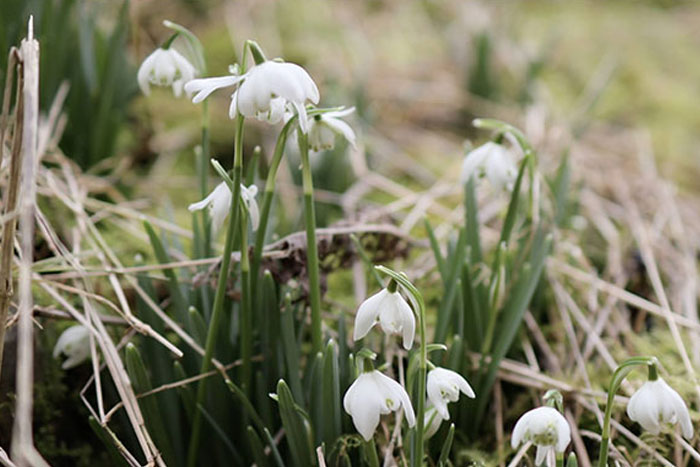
{"points": [[618, 377]]}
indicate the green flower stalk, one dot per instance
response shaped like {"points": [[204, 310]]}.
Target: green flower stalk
{"points": [[618, 377], [311, 247], [268, 195], [219, 298]]}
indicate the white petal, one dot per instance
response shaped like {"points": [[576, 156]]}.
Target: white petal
{"points": [[396, 392], [362, 402], [520, 429], [342, 128], [541, 455], [367, 314], [339, 113], [303, 119], [643, 408], [474, 162], [205, 86], [432, 422], [233, 108], [144, 70]]}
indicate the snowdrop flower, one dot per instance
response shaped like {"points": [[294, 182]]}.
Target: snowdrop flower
{"points": [[546, 428], [391, 311], [374, 394], [165, 67], [248, 197], [444, 386], [219, 204], [74, 343], [432, 421], [493, 161], [656, 403], [323, 128], [264, 91]]}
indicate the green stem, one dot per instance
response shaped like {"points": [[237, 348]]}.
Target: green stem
{"points": [[219, 298], [560, 459], [371, 453], [246, 318], [203, 171], [266, 205], [311, 247], [618, 376]]}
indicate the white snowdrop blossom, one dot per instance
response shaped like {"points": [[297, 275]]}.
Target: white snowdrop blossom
{"points": [[324, 127], [219, 204], [391, 311], [264, 91], [248, 197], [493, 161], [374, 394], [74, 343], [165, 67], [431, 421], [444, 386], [656, 403], [546, 428]]}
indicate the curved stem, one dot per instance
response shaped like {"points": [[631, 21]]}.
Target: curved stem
{"points": [[219, 298], [618, 376], [266, 205], [418, 445], [311, 247]]}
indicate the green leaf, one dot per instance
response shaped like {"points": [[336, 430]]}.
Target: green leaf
{"points": [[446, 447], [295, 428], [109, 440], [290, 349], [151, 413], [256, 447], [331, 395], [163, 258], [471, 218], [435, 246], [447, 303], [197, 326], [473, 330]]}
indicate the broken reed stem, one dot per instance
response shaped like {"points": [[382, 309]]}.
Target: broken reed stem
{"points": [[11, 195], [23, 450]]}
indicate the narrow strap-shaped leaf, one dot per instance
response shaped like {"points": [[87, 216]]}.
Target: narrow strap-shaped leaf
{"points": [[291, 350], [197, 326], [331, 395], [512, 212], [163, 258], [314, 389], [256, 447], [221, 434], [114, 455], [447, 303], [295, 428], [186, 394], [435, 246], [446, 447], [471, 219], [141, 383], [473, 318]]}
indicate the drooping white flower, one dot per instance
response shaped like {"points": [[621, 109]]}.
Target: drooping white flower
{"points": [[165, 67], [264, 91], [656, 403], [248, 197], [493, 161], [374, 394], [546, 428], [444, 386], [391, 311], [324, 127], [431, 421], [74, 343], [219, 204]]}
